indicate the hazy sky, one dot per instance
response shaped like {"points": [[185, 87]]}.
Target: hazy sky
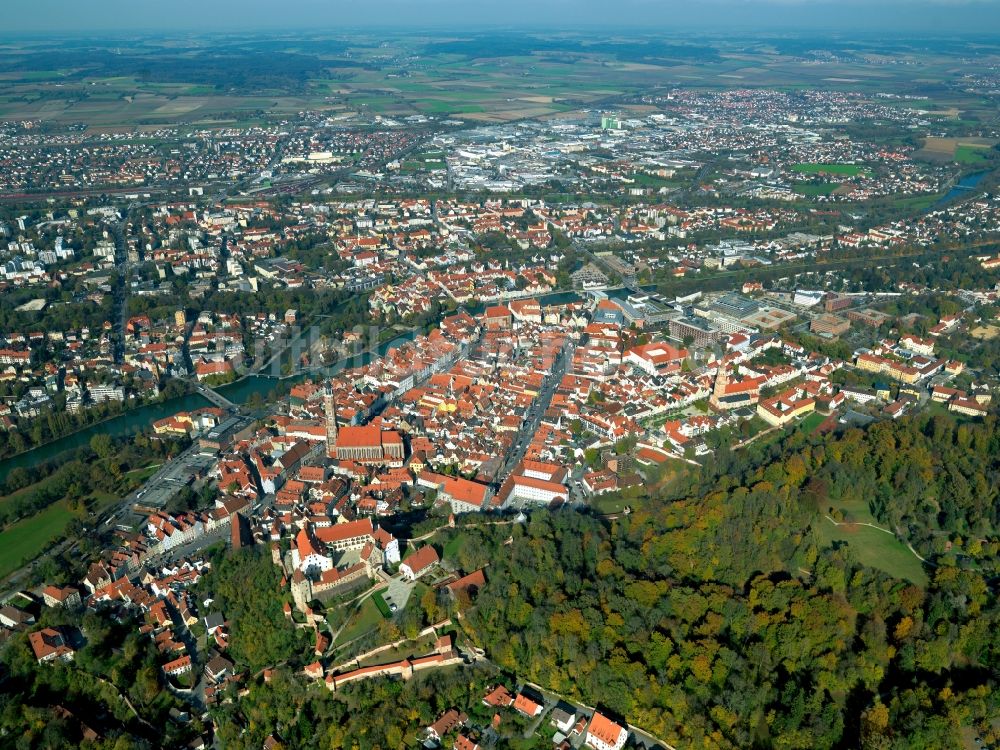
{"points": [[945, 16]]}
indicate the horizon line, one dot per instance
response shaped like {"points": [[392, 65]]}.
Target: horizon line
{"points": [[526, 30]]}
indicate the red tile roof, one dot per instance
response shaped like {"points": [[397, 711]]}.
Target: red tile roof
{"points": [[422, 559], [605, 729]]}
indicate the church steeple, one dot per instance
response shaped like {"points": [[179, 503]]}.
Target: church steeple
{"points": [[721, 380]]}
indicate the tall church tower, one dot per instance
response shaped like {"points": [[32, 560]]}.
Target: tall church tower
{"points": [[330, 407], [721, 381]]}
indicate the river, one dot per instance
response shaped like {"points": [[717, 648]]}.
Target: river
{"points": [[128, 423], [961, 188], [135, 420]]}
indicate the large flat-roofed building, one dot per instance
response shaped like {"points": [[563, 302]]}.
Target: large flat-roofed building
{"points": [[835, 302], [735, 305], [609, 312], [868, 317], [873, 318], [220, 437], [768, 319], [702, 332], [830, 325], [643, 310]]}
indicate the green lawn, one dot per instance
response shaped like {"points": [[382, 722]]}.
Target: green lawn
{"points": [[425, 160], [848, 170], [419, 166], [417, 594], [970, 155], [435, 106], [916, 202], [26, 539], [811, 422], [363, 621], [30, 536], [144, 473], [876, 549], [419, 647], [613, 502]]}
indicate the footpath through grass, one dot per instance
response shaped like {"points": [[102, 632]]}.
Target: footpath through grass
{"points": [[363, 621], [876, 549]]}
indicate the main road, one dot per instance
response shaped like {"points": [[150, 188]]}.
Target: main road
{"points": [[120, 294], [533, 417]]}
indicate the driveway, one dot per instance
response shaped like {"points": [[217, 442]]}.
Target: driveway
{"points": [[398, 592]]}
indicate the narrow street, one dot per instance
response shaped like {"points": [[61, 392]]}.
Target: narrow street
{"points": [[533, 417]]}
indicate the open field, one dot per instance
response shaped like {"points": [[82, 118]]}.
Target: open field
{"points": [[606, 505], [962, 150], [986, 332], [971, 155], [846, 170], [25, 539], [476, 76], [875, 548], [642, 179], [916, 203], [363, 621]]}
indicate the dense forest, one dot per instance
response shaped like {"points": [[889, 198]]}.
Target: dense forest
{"points": [[716, 620], [374, 714], [929, 478], [246, 589]]}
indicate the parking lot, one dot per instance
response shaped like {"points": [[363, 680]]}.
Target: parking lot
{"points": [[173, 477], [397, 594]]}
